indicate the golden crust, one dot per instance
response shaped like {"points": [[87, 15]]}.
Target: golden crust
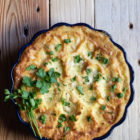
{"points": [[83, 40]]}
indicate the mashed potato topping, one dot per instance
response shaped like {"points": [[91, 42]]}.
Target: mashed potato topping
{"points": [[81, 79]]}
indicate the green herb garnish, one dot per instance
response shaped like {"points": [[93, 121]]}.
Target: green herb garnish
{"points": [[41, 73], [72, 118], [91, 87], [45, 64], [29, 103], [67, 41], [64, 102], [97, 77], [108, 98], [90, 54], [58, 46], [105, 61], [80, 89], [124, 90], [54, 59], [116, 79], [119, 95], [77, 59], [51, 53], [88, 71], [27, 81], [86, 78], [66, 129], [89, 118], [113, 88], [73, 79], [103, 107], [31, 67], [42, 118], [93, 98]]}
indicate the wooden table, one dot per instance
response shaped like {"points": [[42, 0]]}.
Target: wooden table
{"points": [[20, 19]]}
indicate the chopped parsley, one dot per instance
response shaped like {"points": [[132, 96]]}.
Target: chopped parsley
{"points": [[113, 88], [42, 119], [58, 46], [41, 73], [119, 95], [31, 67], [88, 71], [54, 59], [91, 87], [90, 54], [77, 59], [103, 107], [80, 89], [116, 79], [102, 59], [45, 64], [27, 81], [51, 53], [108, 98], [124, 90], [98, 57], [66, 129], [89, 118], [86, 78], [29, 103], [72, 118], [61, 119], [97, 77], [64, 102], [67, 41], [93, 98], [105, 61], [73, 79]]}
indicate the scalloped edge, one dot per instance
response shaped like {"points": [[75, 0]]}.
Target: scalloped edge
{"points": [[77, 24]]}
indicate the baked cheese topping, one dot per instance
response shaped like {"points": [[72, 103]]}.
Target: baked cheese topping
{"points": [[80, 79]]}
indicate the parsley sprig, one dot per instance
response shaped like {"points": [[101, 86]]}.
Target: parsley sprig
{"points": [[28, 103], [27, 100]]}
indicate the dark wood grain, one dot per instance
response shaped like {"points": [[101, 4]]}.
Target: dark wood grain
{"points": [[19, 20]]}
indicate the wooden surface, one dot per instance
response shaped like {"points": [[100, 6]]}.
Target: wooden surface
{"points": [[20, 19]]}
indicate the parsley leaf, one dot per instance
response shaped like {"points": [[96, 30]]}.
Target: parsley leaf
{"points": [[119, 95], [103, 107], [105, 61], [98, 57], [90, 54], [66, 129], [42, 118], [88, 71], [97, 77], [108, 98], [72, 118], [93, 98], [31, 67], [89, 118], [86, 78], [80, 89], [64, 102], [54, 59], [73, 79], [77, 59], [27, 81], [113, 88], [67, 41], [41, 73], [91, 87], [58, 46], [124, 90]]}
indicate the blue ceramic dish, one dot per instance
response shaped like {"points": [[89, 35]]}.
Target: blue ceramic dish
{"points": [[78, 24]]}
